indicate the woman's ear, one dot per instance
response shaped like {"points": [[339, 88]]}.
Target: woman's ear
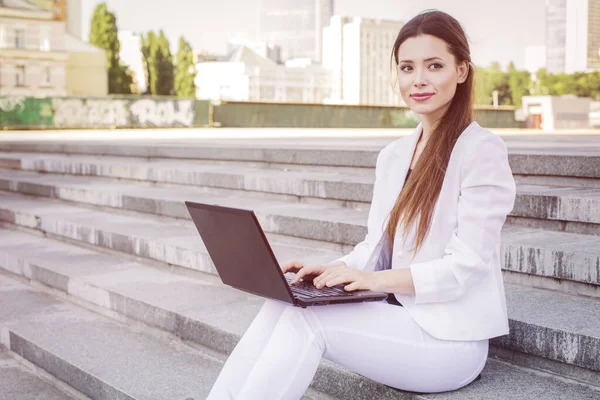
{"points": [[463, 71]]}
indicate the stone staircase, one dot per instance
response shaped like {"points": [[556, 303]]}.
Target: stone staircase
{"points": [[108, 292]]}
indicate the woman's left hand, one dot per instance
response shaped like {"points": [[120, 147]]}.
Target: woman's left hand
{"points": [[357, 280]]}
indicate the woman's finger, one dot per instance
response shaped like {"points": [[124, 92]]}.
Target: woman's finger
{"points": [[305, 271], [292, 266], [326, 275], [299, 275], [351, 287], [336, 280]]}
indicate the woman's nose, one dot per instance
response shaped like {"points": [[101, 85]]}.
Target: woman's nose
{"points": [[420, 80]]}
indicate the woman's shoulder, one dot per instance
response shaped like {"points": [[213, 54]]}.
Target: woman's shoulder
{"points": [[477, 137]]}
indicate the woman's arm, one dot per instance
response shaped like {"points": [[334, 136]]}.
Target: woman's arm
{"points": [[394, 281], [487, 197]]}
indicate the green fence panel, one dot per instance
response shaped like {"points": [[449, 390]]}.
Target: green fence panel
{"points": [[250, 114]]}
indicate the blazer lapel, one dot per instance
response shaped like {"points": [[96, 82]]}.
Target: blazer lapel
{"points": [[395, 176]]}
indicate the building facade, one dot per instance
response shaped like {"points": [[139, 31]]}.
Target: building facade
{"points": [[358, 52], [248, 76], [87, 74], [39, 58], [294, 25], [572, 35], [551, 113], [33, 58], [593, 42]]}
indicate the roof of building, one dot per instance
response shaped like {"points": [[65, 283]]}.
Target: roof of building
{"points": [[21, 4], [246, 55], [73, 44]]}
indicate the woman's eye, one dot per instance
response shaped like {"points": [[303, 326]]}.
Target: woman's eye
{"points": [[438, 66], [405, 68]]}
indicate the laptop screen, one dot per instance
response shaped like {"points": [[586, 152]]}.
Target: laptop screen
{"points": [[239, 249]]}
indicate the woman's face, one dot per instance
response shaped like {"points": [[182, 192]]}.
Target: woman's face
{"points": [[428, 75]]}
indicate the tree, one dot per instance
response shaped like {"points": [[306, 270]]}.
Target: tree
{"points": [[519, 83], [184, 70], [147, 44], [158, 62], [165, 67], [104, 34], [489, 79]]}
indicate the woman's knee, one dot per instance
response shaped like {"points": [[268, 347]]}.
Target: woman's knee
{"points": [[273, 307]]}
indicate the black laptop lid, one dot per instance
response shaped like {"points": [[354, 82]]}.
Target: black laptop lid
{"points": [[239, 249]]}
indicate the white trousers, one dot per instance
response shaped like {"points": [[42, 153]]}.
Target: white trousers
{"points": [[279, 354]]}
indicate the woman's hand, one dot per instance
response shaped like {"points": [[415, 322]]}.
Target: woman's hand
{"points": [[358, 280], [304, 271]]}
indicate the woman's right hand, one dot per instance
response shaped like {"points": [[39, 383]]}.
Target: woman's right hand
{"points": [[306, 271]]}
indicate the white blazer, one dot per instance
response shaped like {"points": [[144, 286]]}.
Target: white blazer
{"points": [[457, 273]]}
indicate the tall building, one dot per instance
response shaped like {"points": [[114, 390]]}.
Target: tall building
{"points": [[593, 45], [572, 35], [358, 52], [294, 25]]}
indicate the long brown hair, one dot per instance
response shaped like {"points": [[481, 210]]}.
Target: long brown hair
{"points": [[422, 189]]}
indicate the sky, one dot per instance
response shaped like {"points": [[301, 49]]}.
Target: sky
{"points": [[499, 30]]}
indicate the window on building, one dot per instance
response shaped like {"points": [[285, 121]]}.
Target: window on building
{"points": [[20, 75], [45, 38], [47, 77], [20, 38]]}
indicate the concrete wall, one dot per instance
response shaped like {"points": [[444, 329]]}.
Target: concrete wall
{"points": [[72, 112]]}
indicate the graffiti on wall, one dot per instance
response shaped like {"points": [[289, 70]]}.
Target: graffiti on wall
{"points": [[163, 113], [81, 113], [110, 113], [14, 104]]}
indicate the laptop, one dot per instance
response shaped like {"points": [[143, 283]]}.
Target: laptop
{"points": [[244, 259]]}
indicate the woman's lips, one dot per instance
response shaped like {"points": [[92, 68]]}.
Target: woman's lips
{"points": [[421, 96]]}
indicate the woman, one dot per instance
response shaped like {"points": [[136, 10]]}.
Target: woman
{"points": [[431, 335]]}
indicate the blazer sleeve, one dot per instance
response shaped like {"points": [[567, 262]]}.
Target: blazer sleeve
{"points": [[487, 196], [357, 258]]}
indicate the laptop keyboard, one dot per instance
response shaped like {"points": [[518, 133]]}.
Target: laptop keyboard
{"points": [[308, 289]]}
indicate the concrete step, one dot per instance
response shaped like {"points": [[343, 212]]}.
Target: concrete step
{"points": [[19, 381], [547, 324], [101, 357], [168, 240], [533, 255], [525, 157], [575, 206], [107, 359], [283, 180]]}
